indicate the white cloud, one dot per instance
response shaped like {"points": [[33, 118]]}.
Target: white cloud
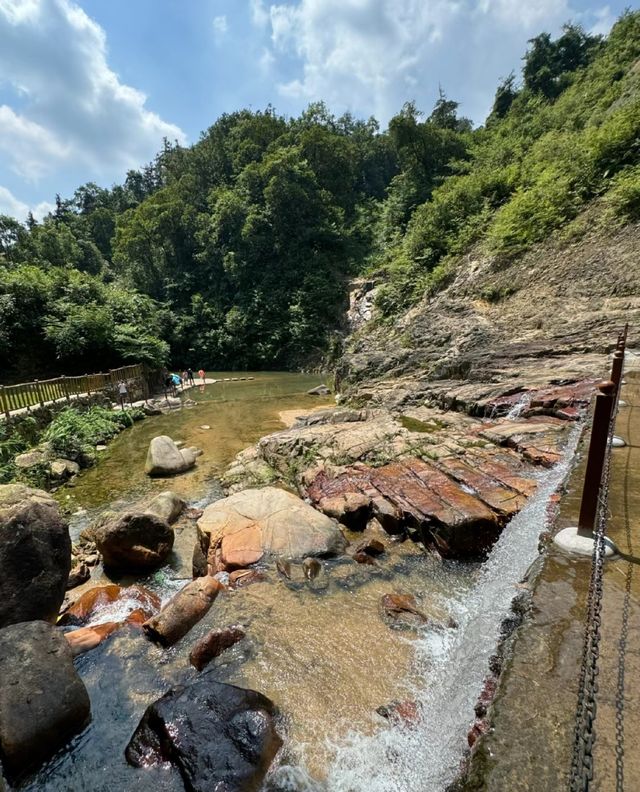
{"points": [[30, 147], [220, 25], [12, 206], [69, 103], [259, 14], [373, 55]]}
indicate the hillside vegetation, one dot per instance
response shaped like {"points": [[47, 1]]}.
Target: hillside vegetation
{"points": [[237, 251]]}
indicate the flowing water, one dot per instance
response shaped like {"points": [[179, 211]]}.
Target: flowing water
{"points": [[320, 650]]}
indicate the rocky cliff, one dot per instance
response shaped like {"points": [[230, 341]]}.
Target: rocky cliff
{"points": [[499, 325]]}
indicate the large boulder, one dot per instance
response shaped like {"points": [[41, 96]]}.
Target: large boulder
{"points": [[43, 701], [134, 541], [35, 555], [166, 505], [218, 736], [239, 530], [164, 458]]}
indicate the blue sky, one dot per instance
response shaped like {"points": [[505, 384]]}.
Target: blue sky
{"points": [[88, 89]]}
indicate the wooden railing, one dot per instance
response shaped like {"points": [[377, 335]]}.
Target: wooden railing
{"points": [[41, 392]]}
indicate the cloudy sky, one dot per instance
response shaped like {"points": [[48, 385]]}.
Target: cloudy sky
{"points": [[90, 88]]}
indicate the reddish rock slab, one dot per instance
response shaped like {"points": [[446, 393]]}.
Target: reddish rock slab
{"points": [[504, 466], [502, 499], [244, 577], [576, 395], [213, 644], [89, 603], [458, 523]]}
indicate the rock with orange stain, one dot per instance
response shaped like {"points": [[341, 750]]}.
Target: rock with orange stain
{"points": [[240, 578], [184, 610], [214, 643], [402, 610], [88, 604], [245, 527]]}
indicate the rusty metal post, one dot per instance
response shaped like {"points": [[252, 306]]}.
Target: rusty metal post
{"points": [[616, 367], [596, 457]]}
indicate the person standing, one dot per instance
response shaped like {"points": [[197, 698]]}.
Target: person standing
{"points": [[122, 392], [201, 374], [190, 376]]}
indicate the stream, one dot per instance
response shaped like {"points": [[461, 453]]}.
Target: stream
{"points": [[319, 649]]}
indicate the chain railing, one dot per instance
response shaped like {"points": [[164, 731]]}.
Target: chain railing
{"points": [[594, 514]]}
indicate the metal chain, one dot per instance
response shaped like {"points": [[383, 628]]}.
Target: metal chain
{"points": [[624, 630], [585, 732]]}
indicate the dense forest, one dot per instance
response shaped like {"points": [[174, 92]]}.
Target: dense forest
{"points": [[236, 252]]}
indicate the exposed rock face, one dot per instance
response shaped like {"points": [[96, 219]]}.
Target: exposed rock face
{"points": [[164, 458], [35, 555], [43, 701], [167, 506], [239, 530], [214, 643], [352, 509], [134, 541], [458, 523], [184, 610], [220, 737]]}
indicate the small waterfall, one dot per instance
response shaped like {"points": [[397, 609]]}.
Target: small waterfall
{"points": [[425, 757], [520, 407]]}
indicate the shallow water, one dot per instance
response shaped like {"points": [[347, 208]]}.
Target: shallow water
{"points": [[320, 650], [239, 413]]}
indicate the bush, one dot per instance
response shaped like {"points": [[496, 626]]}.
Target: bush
{"points": [[74, 434], [623, 199]]}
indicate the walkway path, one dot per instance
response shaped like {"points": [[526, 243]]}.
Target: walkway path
{"points": [[530, 746]]}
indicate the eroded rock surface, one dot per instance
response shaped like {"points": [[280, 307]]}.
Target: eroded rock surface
{"points": [[220, 737], [43, 701], [35, 555], [134, 541], [245, 527], [452, 480]]}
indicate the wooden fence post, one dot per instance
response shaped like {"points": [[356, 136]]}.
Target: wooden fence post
{"points": [[39, 392], [3, 402]]}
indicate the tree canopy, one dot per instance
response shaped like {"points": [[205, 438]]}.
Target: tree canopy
{"points": [[236, 252]]}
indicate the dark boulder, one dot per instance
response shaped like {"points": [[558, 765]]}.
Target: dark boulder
{"points": [[218, 736], [134, 541], [35, 555], [43, 701]]}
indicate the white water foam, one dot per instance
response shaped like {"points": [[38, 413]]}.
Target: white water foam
{"points": [[426, 757]]}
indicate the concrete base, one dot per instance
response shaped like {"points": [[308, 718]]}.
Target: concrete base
{"points": [[570, 541], [617, 442]]}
